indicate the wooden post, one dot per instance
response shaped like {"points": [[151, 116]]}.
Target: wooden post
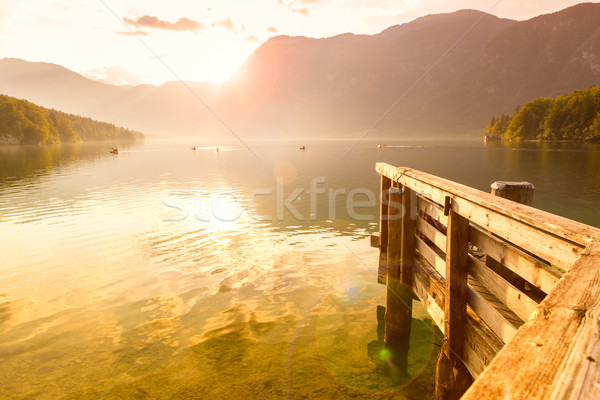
{"points": [[521, 192], [452, 377], [398, 313], [408, 242], [386, 184]]}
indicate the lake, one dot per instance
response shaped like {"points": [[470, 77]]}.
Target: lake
{"points": [[164, 272]]}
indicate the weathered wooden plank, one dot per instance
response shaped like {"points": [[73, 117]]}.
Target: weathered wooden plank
{"points": [[408, 245], [384, 202], [457, 259], [515, 300], [496, 315], [452, 376], [436, 237], [386, 183], [433, 211], [548, 246], [555, 355], [554, 238], [557, 251], [429, 287], [438, 263], [481, 344], [398, 310], [561, 227], [532, 270]]}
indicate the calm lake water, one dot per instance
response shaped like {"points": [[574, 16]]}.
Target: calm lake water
{"points": [[163, 272]]}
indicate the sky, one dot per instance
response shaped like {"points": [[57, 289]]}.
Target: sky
{"points": [[147, 41]]}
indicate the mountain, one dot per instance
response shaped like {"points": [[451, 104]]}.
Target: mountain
{"points": [[440, 75], [545, 56], [345, 83], [169, 109]]}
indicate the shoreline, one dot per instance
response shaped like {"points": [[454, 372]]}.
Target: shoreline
{"points": [[540, 141]]}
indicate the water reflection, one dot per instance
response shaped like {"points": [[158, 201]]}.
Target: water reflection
{"points": [[107, 291]]}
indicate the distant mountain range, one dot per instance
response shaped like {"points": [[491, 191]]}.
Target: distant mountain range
{"points": [[441, 75]]}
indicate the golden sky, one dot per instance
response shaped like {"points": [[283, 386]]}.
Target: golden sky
{"points": [[147, 41]]}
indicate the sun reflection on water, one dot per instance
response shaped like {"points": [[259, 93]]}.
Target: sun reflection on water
{"points": [[108, 291]]}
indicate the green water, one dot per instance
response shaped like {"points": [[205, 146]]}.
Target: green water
{"points": [[163, 272]]}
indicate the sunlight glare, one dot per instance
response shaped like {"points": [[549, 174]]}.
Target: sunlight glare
{"points": [[412, 3], [221, 66]]}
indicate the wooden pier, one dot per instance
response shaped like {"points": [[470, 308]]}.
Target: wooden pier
{"points": [[514, 290]]}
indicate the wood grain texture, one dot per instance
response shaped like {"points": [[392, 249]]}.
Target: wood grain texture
{"points": [[493, 312], [555, 355], [386, 183], [556, 239], [561, 227], [438, 263], [529, 268], [517, 301], [481, 344], [398, 311], [457, 260], [436, 237]]}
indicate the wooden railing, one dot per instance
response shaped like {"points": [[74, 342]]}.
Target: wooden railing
{"points": [[515, 290]]}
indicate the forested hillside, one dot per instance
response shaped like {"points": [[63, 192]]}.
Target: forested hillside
{"points": [[574, 116], [25, 122]]}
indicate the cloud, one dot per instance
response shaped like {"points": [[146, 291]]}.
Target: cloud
{"points": [[226, 23], [272, 29], [309, 1], [251, 38], [115, 75], [304, 11], [137, 32], [148, 21]]}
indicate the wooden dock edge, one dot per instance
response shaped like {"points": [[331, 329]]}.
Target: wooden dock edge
{"points": [[514, 290], [555, 354]]}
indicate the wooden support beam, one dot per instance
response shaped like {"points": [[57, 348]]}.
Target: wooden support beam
{"points": [[384, 201], [398, 313], [408, 241], [453, 378]]}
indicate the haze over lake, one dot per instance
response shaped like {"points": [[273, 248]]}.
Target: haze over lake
{"points": [[166, 272]]}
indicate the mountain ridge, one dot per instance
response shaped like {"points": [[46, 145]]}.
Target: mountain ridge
{"points": [[341, 85]]}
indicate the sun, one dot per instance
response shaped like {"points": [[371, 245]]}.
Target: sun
{"points": [[222, 65]]}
